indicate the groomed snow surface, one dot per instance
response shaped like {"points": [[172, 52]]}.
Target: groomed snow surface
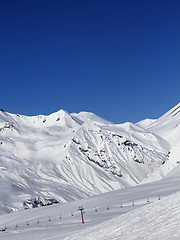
{"points": [[159, 220], [148, 211]]}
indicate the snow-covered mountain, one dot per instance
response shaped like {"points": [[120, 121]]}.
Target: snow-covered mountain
{"points": [[168, 127], [71, 156]]}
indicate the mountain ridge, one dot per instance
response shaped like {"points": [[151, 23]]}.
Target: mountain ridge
{"points": [[67, 156]]}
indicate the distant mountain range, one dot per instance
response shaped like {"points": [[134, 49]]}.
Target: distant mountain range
{"points": [[63, 156]]}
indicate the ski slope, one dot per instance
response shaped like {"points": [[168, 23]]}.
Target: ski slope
{"points": [[147, 211], [159, 220]]}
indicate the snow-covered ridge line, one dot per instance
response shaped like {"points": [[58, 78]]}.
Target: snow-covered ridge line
{"points": [[67, 156], [174, 110]]}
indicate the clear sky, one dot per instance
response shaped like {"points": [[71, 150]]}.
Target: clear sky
{"points": [[119, 59]]}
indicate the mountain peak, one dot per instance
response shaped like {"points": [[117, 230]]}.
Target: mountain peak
{"points": [[84, 116]]}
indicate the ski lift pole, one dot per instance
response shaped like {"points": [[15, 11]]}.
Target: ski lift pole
{"points": [[82, 211]]}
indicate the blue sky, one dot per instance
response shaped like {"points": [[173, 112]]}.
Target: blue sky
{"points": [[118, 59]]}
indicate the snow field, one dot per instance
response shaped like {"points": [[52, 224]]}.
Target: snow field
{"points": [[159, 220], [95, 221]]}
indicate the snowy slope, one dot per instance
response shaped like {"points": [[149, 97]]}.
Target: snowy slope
{"points": [[167, 127], [71, 156], [149, 211], [159, 220], [172, 164]]}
